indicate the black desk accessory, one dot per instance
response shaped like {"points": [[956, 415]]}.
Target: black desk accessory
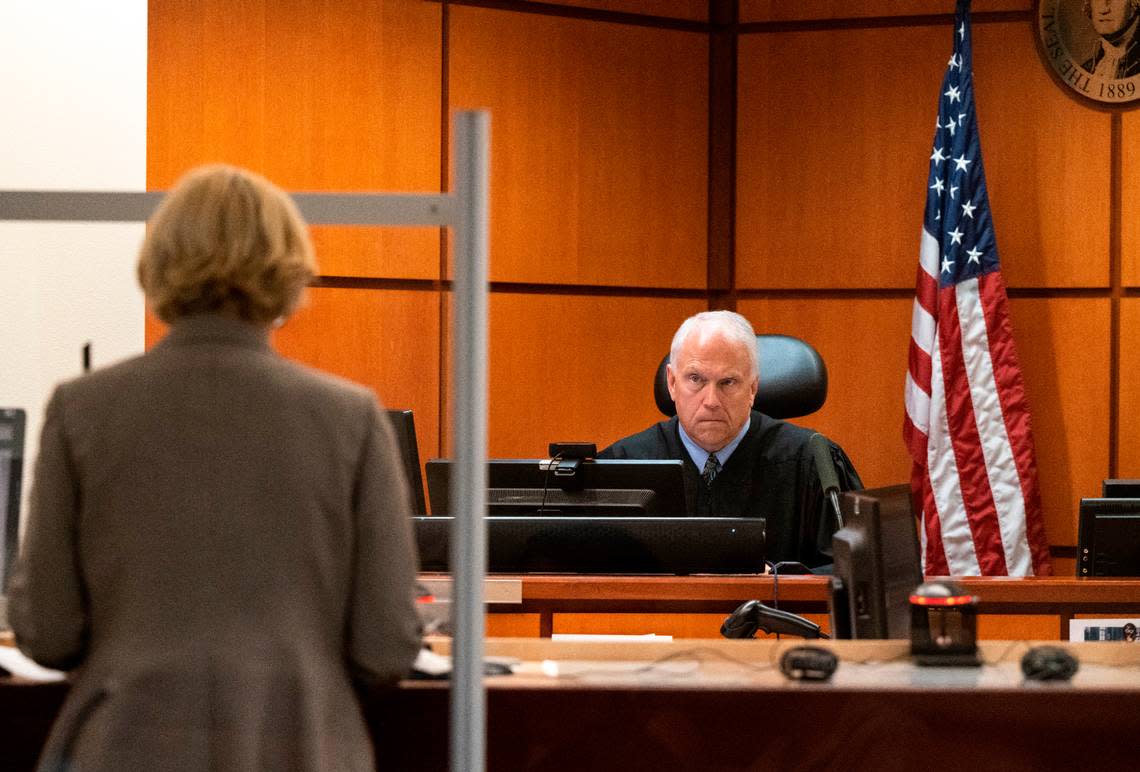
{"points": [[808, 663], [754, 615], [1048, 663], [944, 624]]}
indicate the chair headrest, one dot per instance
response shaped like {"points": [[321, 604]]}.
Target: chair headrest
{"points": [[793, 379]]}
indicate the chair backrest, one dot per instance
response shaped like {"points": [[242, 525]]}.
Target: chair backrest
{"points": [[793, 379]]}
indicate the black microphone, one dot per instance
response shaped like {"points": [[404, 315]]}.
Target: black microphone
{"points": [[825, 468]]}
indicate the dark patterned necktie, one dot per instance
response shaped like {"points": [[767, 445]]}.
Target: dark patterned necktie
{"points": [[712, 466]]}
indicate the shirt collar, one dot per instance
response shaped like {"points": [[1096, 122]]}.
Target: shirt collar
{"points": [[700, 455]]}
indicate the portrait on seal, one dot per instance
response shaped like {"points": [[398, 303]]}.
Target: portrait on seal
{"points": [[1092, 47]]}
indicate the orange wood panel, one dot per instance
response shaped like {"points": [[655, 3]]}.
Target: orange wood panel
{"points": [[385, 339], [1047, 165], [1064, 349], [599, 146], [1128, 450], [693, 10], [568, 368], [1064, 567], [1019, 627], [834, 197], [782, 10], [833, 145], [330, 96], [864, 344], [512, 625], [1130, 204]]}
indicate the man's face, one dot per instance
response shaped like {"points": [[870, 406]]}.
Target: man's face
{"points": [[712, 387], [1111, 16]]}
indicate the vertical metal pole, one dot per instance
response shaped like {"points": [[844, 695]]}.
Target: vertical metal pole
{"points": [[469, 491]]}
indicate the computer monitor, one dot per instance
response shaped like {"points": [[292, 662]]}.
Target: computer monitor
{"points": [[1108, 537], [877, 564], [12, 421], [603, 487], [405, 428], [1120, 489], [605, 545]]}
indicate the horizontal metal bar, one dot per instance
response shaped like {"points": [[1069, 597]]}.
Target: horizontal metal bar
{"points": [[317, 208], [79, 206]]}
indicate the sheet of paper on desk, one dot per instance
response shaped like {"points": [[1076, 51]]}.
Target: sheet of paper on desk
{"points": [[14, 661]]}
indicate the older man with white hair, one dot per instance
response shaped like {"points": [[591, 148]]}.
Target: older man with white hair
{"points": [[738, 462]]}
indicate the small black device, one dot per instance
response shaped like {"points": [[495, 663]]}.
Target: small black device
{"points": [[1108, 537], [12, 422], [605, 545], [753, 615], [1048, 663], [602, 487], [808, 663], [404, 425], [944, 625]]}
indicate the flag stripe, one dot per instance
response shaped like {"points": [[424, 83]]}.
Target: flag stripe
{"points": [[1015, 410], [948, 507], [934, 556], [980, 511], [1000, 467]]}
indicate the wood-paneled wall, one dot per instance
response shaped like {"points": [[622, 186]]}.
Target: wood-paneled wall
{"points": [[601, 226]]}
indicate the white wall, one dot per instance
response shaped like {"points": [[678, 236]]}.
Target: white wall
{"points": [[72, 117]]}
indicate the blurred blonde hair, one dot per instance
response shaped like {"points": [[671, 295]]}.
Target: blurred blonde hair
{"points": [[229, 241]]}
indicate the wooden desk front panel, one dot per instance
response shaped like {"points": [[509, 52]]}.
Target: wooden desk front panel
{"points": [[694, 607]]}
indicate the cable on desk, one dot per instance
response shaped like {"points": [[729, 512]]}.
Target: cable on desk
{"points": [[546, 480]]}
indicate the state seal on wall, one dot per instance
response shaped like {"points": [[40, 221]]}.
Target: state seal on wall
{"points": [[1092, 48]]}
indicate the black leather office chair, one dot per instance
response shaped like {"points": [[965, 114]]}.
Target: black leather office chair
{"points": [[793, 379]]}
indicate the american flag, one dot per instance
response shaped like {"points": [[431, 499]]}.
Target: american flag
{"points": [[967, 420]]}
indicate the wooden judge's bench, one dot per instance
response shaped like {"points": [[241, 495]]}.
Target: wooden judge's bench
{"points": [[701, 703]]}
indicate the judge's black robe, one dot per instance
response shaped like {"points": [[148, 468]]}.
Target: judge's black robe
{"points": [[771, 474]]}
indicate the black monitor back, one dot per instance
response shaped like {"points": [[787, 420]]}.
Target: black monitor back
{"points": [[606, 545], [1120, 489], [1108, 537], [877, 564], [405, 428], [604, 487], [12, 422]]}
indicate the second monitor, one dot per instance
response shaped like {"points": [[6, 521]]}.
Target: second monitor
{"points": [[606, 487]]}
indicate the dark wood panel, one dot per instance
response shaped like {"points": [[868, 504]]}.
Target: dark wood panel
{"points": [[833, 149], [864, 344], [566, 368], [694, 10], [599, 146], [331, 96], [1130, 200], [386, 339], [1064, 350], [781, 10], [1128, 458], [834, 197]]}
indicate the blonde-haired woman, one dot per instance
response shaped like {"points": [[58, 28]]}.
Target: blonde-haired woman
{"points": [[219, 541]]}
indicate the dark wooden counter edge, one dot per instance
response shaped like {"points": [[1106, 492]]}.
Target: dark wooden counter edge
{"points": [[714, 594]]}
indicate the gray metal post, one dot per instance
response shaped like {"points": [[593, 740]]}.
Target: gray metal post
{"points": [[469, 493]]}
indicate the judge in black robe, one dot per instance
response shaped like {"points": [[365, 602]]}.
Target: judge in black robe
{"points": [[770, 474]]}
